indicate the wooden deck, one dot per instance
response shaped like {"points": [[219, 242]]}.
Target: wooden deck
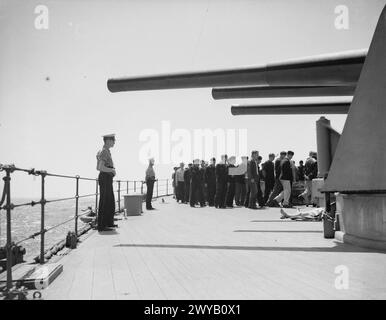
{"points": [[178, 252]]}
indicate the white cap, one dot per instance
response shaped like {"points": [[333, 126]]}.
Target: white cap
{"points": [[109, 136]]}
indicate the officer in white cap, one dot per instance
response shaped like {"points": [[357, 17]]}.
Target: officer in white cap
{"points": [[106, 169]]}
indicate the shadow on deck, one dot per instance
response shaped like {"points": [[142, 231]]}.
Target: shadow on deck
{"points": [[178, 252], [338, 248]]}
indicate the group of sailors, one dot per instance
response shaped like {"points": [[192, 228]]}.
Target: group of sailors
{"points": [[253, 183]]}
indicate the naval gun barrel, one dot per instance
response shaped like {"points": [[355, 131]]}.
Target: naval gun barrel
{"points": [[342, 69], [292, 109], [280, 92]]}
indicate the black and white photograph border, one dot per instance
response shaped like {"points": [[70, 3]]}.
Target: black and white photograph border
{"points": [[208, 151]]}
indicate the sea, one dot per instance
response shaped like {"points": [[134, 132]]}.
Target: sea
{"points": [[25, 221]]}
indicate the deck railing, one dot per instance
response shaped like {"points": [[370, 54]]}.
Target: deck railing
{"points": [[163, 187]]}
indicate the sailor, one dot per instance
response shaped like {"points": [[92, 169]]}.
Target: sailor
{"points": [[221, 172], [300, 172], [106, 169], [253, 181], [174, 180], [210, 180], [260, 184], [180, 183], [310, 172], [286, 176], [294, 176], [269, 175], [240, 189], [231, 183], [277, 188], [203, 184], [150, 179], [196, 194], [247, 191], [187, 176]]}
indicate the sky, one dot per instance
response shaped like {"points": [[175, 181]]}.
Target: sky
{"points": [[54, 102]]}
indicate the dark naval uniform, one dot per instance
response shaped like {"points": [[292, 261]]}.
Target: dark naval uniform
{"points": [[202, 186], [269, 178], [240, 191], [210, 180], [278, 187], [260, 196], [150, 179], [187, 176], [231, 186], [106, 208], [301, 173], [252, 184], [196, 192], [221, 185]]}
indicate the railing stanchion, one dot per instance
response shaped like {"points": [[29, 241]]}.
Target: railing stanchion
{"points": [[119, 196], [8, 207], [76, 205], [7, 186], [42, 229]]}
